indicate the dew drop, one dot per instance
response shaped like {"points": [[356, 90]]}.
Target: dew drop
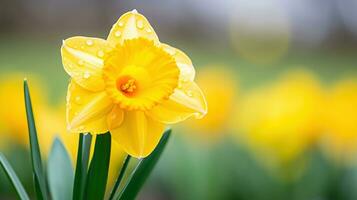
{"points": [[86, 75], [78, 100], [80, 62], [89, 42], [134, 11], [100, 53], [140, 24], [189, 93], [171, 51], [120, 24], [117, 34]]}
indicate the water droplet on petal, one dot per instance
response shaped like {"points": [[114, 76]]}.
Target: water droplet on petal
{"points": [[189, 93], [117, 34], [120, 24], [100, 53], [86, 75], [148, 30], [140, 24], [170, 51], [78, 100], [134, 11], [89, 42], [80, 62]]}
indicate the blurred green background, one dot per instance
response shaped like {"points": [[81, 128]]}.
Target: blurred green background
{"points": [[280, 79]]}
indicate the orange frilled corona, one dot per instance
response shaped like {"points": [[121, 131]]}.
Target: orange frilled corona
{"points": [[130, 84]]}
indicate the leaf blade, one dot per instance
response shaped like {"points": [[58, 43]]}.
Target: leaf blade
{"points": [[83, 153], [15, 181], [39, 177], [120, 177], [143, 170], [98, 169], [60, 172]]}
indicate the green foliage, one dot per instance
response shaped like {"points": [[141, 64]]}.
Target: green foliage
{"points": [[143, 170], [120, 177], [82, 166], [98, 170], [60, 172], [88, 184], [39, 176], [13, 178]]}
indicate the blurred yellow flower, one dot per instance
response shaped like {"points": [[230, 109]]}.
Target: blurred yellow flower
{"points": [[281, 121], [129, 84], [220, 100], [50, 122], [13, 124], [340, 137]]}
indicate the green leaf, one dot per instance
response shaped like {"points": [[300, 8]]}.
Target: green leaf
{"points": [[143, 170], [60, 172], [98, 169], [13, 178], [120, 177], [82, 166], [39, 177]]}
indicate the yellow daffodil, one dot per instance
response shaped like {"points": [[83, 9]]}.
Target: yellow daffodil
{"points": [[130, 84], [340, 137], [220, 101], [280, 122]]}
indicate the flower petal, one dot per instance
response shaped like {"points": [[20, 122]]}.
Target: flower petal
{"points": [[138, 135], [115, 117], [82, 58], [131, 25], [184, 63], [87, 111], [183, 103]]}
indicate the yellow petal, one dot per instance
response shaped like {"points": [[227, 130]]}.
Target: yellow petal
{"points": [[183, 103], [82, 58], [131, 25], [184, 63], [115, 117], [86, 110], [138, 135]]}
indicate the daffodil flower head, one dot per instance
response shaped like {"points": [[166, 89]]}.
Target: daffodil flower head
{"points": [[130, 84]]}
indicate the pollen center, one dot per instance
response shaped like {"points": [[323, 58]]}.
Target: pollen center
{"points": [[139, 75], [127, 85]]}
